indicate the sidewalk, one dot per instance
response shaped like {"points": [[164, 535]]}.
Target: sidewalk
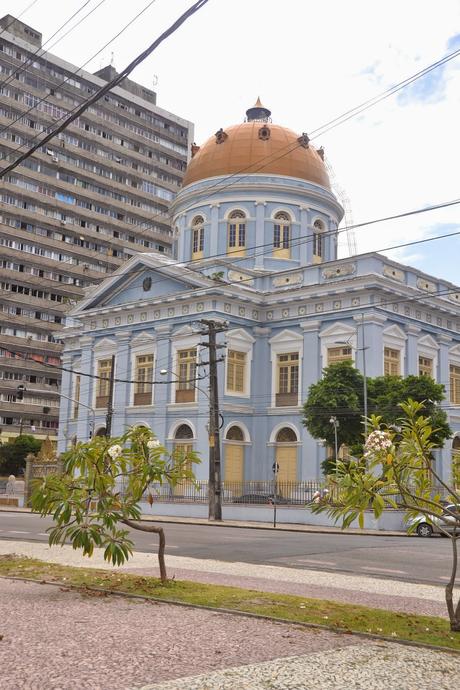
{"points": [[283, 527], [99, 642]]}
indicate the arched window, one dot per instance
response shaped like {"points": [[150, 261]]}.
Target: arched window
{"points": [[286, 459], [237, 233], [286, 435], [318, 241], [282, 236], [235, 434], [234, 459], [182, 446], [183, 432], [197, 237]]}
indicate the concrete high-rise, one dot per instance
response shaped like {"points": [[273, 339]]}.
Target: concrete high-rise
{"points": [[72, 212]]}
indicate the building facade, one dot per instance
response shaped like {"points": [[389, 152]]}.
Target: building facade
{"points": [[256, 230], [74, 211]]}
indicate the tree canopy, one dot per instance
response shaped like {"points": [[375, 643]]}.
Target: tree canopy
{"points": [[397, 471], [13, 454], [101, 488], [340, 393]]}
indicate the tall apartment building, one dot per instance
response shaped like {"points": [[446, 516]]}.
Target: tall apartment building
{"points": [[72, 212]]}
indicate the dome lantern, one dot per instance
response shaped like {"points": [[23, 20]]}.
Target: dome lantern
{"points": [[258, 113]]}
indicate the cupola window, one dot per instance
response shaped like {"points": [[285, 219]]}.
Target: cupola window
{"points": [[318, 242], [237, 233], [282, 236], [197, 237]]}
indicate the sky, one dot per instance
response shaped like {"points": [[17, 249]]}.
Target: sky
{"points": [[309, 62]]}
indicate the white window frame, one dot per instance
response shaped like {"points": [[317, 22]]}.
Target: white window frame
{"points": [[239, 340], [143, 344], [395, 338], [454, 359], [104, 349], [428, 347], [183, 339], [338, 334], [284, 343]]}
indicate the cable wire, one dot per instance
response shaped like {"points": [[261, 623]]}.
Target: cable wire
{"points": [[109, 86]]}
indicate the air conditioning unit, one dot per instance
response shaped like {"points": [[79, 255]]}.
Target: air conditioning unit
{"points": [[63, 222], [50, 152], [55, 159]]}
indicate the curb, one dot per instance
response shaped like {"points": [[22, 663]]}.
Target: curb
{"points": [[239, 524], [243, 614]]}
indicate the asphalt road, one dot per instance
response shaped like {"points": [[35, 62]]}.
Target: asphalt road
{"points": [[411, 559]]}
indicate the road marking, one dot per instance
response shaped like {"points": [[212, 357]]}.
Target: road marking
{"points": [[443, 577], [43, 534], [313, 562], [170, 546], [383, 570], [17, 531]]}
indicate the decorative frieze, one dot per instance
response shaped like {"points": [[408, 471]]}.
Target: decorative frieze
{"points": [[237, 276], [292, 279], [394, 273], [340, 271], [426, 285]]}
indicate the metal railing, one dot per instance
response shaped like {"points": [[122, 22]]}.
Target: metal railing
{"points": [[247, 493]]}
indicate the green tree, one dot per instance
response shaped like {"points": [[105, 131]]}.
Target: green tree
{"points": [[385, 394], [101, 488], [13, 454], [341, 393], [401, 464]]}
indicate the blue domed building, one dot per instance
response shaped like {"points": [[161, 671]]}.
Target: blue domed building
{"points": [[256, 233]]}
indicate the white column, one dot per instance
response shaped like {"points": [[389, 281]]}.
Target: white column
{"points": [[121, 390], [260, 251], [413, 334]]}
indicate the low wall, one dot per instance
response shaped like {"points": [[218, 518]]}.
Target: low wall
{"points": [[391, 520]]}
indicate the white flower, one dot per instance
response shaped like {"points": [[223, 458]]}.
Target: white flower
{"points": [[376, 442], [115, 451], [153, 443]]}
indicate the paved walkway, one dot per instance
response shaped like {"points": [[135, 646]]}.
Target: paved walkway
{"points": [[361, 589], [58, 639]]}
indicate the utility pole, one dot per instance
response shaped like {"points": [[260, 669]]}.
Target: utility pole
{"points": [[215, 479], [109, 415]]}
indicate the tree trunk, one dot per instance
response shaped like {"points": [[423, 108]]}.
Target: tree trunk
{"points": [[454, 612], [145, 527]]}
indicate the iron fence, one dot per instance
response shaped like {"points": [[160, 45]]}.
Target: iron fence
{"points": [[248, 492]]}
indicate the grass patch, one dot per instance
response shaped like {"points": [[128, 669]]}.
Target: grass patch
{"points": [[295, 609]]}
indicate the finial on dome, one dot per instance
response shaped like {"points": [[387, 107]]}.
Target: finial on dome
{"points": [[258, 112]]}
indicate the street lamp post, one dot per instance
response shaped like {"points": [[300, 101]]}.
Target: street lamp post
{"points": [[335, 423]]}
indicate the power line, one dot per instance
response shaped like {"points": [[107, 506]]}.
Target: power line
{"points": [[109, 86], [29, 6], [306, 240], [30, 59], [72, 74], [368, 103], [357, 110]]}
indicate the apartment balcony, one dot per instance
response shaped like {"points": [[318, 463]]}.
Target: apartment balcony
{"points": [[17, 364], [48, 305], [67, 290], [28, 345], [43, 262], [29, 322], [9, 386]]}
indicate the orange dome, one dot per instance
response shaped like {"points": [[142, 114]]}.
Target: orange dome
{"points": [[247, 148]]}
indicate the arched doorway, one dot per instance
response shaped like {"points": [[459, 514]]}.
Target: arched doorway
{"points": [[101, 431], [456, 462], [234, 457], [286, 457], [182, 445]]}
